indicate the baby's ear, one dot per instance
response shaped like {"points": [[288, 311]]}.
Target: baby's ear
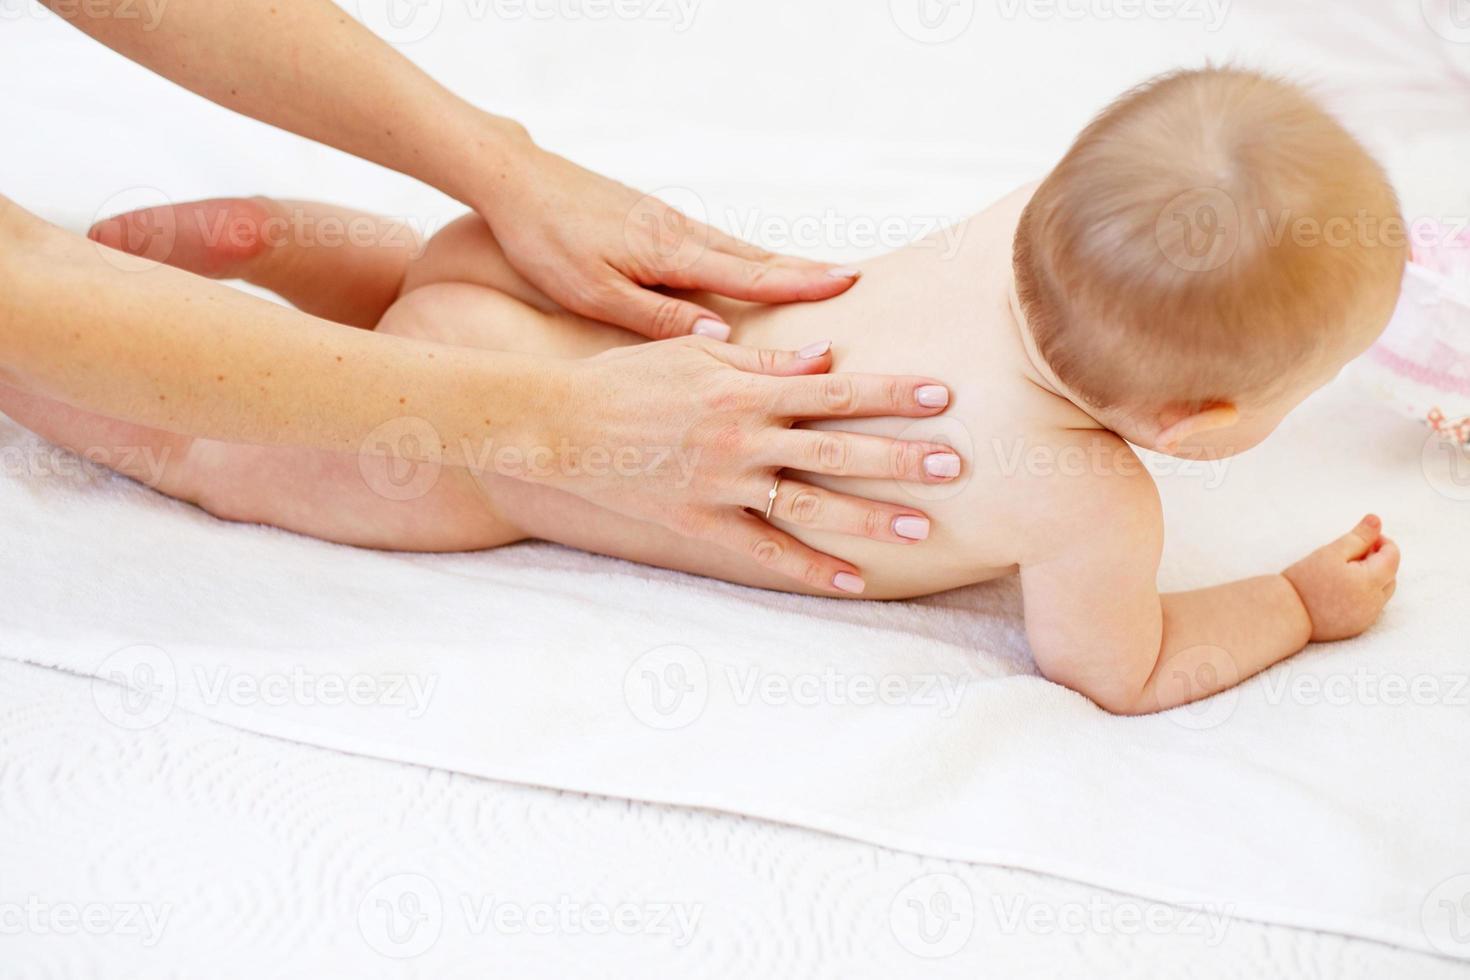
{"points": [[1179, 423]]}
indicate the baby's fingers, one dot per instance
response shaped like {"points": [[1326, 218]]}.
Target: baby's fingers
{"points": [[1360, 540]]}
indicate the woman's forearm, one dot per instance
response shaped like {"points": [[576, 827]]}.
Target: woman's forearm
{"points": [[308, 67], [153, 345]]}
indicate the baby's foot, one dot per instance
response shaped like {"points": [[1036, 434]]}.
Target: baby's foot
{"points": [[218, 238]]}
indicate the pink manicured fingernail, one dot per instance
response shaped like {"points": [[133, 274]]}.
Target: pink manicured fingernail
{"points": [[713, 329], [913, 528], [814, 350], [933, 396], [844, 272], [849, 583], [942, 464]]}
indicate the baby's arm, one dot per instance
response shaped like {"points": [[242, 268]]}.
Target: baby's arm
{"points": [[1098, 624]]}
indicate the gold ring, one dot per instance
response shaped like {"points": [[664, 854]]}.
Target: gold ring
{"points": [[771, 501]]}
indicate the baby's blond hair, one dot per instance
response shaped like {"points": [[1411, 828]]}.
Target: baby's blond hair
{"points": [[1209, 234]]}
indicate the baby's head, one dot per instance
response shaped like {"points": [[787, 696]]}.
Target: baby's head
{"points": [[1213, 248]]}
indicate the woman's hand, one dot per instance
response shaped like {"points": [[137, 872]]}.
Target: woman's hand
{"points": [[587, 242], [595, 246], [702, 429]]}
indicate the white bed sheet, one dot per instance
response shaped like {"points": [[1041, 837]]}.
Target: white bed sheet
{"points": [[222, 853], [937, 133]]}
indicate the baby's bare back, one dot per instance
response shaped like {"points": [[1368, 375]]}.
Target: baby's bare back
{"points": [[938, 308]]}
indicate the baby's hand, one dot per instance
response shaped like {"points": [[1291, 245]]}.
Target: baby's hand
{"points": [[1346, 584]]}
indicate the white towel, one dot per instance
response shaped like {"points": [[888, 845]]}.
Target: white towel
{"points": [[1327, 793]]}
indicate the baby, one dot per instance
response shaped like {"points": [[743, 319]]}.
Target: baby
{"points": [[1157, 288]]}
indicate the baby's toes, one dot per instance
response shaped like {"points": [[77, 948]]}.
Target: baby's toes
{"points": [[1383, 561]]}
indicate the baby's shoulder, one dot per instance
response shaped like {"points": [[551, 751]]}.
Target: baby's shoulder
{"points": [[1084, 484]]}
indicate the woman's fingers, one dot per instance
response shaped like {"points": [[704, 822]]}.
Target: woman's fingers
{"points": [[868, 457], [774, 549], [816, 509], [654, 315], [838, 396], [814, 358], [740, 247], [762, 280], [743, 249]]}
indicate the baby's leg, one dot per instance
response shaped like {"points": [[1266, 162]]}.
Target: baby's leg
{"points": [[463, 270], [369, 501], [331, 262]]}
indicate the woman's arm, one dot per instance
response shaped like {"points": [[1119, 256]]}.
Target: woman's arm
{"points": [[587, 242], [128, 338], [149, 344]]}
